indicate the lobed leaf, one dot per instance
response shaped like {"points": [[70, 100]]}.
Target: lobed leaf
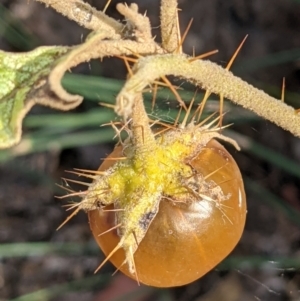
{"points": [[23, 83]]}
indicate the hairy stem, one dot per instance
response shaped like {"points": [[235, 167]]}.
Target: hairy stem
{"points": [[169, 25], [140, 23], [215, 79], [95, 47], [142, 135], [85, 15]]}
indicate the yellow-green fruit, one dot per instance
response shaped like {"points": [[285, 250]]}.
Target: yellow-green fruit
{"points": [[187, 238]]}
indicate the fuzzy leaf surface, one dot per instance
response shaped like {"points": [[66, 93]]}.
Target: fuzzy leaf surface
{"points": [[23, 83]]}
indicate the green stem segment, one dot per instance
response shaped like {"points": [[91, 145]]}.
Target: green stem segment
{"points": [[168, 22], [215, 79], [85, 15], [143, 138]]}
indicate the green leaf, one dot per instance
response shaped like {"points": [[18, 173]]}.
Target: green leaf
{"points": [[23, 83]]}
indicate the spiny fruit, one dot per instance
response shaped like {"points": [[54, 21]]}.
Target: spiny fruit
{"points": [[167, 208]]}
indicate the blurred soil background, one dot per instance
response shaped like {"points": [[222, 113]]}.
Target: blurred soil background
{"points": [[39, 263]]}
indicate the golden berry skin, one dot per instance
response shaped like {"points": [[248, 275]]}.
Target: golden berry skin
{"points": [[186, 239]]}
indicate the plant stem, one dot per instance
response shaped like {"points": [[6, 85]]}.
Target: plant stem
{"points": [[85, 15], [215, 79], [169, 25], [142, 135]]}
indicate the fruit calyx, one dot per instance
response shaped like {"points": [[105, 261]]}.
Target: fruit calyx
{"points": [[154, 167]]}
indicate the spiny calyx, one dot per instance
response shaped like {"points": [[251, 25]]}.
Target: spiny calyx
{"points": [[136, 184]]}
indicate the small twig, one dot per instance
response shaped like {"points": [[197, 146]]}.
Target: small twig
{"points": [[141, 131], [169, 25], [95, 47], [85, 15], [67, 62], [141, 24]]}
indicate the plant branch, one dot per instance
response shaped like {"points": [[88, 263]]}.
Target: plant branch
{"points": [[85, 15], [169, 25], [67, 62], [95, 47], [141, 132], [207, 75], [137, 23], [215, 79]]}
